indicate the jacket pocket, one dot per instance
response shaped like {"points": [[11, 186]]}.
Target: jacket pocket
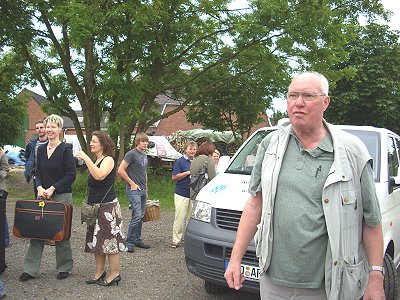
{"points": [[258, 236], [349, 201], [350, 226], [354, 280]]}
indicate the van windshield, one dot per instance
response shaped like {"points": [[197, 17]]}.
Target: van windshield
{"points": [[372, 141], [244, 161]]}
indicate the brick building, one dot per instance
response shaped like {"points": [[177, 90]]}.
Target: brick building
{"points": [[164, 127]]}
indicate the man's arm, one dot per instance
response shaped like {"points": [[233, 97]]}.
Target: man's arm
{"points": [[180, 176], [373, 244], [122, 172], [251, 217]]}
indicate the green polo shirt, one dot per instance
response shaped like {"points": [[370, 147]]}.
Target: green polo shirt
{"points": [[300, 234]]}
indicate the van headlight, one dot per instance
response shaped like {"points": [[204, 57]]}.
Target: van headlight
{"points": [[201, 211]]}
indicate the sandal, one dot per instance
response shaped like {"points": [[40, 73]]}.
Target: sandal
{"points": [[174, 245]]}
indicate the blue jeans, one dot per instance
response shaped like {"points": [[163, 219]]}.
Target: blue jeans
{"points": [[2, 290], [137, 199]]}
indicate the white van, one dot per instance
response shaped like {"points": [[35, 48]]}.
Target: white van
{"points": [[217, 209]]}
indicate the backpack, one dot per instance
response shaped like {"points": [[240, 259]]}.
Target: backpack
{"points": [[200, 178]]}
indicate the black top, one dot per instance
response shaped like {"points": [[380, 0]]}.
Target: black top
{"points": [[98, 188], [59, 170]]}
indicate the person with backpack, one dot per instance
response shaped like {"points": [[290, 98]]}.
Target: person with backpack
{"points": [[202, 168]]}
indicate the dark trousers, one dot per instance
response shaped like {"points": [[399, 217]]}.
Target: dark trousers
{"points": [[3, 197]]}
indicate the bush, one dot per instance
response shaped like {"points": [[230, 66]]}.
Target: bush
{"points": [[161, 187]]}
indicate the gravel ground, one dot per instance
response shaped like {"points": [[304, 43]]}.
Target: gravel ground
{"points": [[156, 273]]}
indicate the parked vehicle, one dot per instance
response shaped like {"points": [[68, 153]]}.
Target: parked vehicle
{"points": [[217, 209], [15, 155]]}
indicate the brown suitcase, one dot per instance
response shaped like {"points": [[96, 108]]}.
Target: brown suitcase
{"points": [[43, 220]]}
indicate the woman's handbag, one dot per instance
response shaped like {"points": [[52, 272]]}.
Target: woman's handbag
{"points": [[89, 211]]}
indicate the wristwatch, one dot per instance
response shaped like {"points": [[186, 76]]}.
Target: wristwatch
{"points": [[377, 268]]}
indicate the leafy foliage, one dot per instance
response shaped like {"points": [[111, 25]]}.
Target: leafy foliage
{"points": [[116, 56], [12, 109], [370, 93]]}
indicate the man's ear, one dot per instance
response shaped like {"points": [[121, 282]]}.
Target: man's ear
{"points": [[327, 101]]}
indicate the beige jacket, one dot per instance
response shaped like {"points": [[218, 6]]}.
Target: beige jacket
{"points": [[346, 265], [4, 168]]}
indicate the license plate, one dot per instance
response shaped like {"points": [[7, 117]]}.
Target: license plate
{"points": [[249, 272]]}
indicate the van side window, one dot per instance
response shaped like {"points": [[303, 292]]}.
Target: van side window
{"points": [[393, 160]]}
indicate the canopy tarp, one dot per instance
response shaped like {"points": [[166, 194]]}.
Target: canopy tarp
{"points": [[162, 148], [226, 137]]}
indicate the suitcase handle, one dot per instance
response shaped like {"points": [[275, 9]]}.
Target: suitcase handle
{"points": [[44, 198]]}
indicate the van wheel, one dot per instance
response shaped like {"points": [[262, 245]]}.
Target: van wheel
{"points": [[390, 282], [212, 288]]}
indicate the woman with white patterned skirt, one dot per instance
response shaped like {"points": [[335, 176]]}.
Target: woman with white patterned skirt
{"points": [[105, 239]]}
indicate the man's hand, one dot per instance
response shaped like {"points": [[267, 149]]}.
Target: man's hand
{"points": [[374, 290], [134, 187], [234, 278]]}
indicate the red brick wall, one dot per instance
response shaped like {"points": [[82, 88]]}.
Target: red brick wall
{"points": [[34, 114], [174, 122], [178, 121]]}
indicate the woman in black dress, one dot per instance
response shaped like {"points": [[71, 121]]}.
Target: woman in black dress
{"points": [[105, 238]]}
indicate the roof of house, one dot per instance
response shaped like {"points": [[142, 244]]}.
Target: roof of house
{"points": [[67, 121], [39, 98]]}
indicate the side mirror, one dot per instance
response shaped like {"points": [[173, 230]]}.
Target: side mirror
{"points": [[150, 145], [395, 180]]}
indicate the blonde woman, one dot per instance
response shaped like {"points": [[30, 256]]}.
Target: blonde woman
{"points": [[56, 171], [105, 239]]}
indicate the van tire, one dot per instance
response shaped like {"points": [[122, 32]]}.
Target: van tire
{"points": [[213, 288], [390, 282]]}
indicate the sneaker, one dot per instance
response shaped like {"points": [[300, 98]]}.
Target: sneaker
{"points": [[25, 277], [131, 250], [62, 275], [142, 245], [3, 296]]}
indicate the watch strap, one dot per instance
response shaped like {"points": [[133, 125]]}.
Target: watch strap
{"points": [[377, 268]]}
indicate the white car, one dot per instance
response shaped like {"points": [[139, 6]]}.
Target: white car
{"points": [[217, 209]]}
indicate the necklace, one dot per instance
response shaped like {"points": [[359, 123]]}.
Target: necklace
{"points": [[53, 147]]}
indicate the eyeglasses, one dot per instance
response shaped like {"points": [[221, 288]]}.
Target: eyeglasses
{"points": [[293, 96]]}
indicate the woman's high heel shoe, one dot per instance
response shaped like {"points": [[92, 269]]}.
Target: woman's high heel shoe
{"points": [[116, 280], [93, 281]]}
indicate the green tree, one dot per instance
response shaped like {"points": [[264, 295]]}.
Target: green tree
{"points": [[237, 97], [116, 56], [277, 115], [12, 108], [370, 92]]}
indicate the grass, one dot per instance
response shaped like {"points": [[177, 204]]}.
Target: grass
{"points": [[17, 186], [161, 187]]}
